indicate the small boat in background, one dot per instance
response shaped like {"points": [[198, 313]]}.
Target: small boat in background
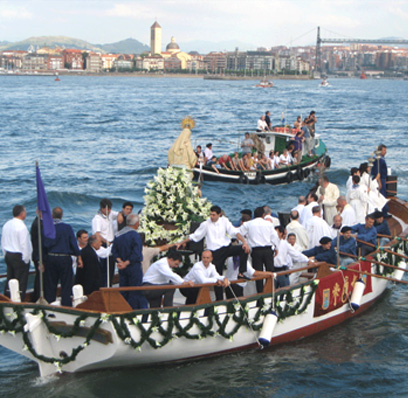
{"points": [[265, 84], [324, 83], [57, 79], [363, 75]]}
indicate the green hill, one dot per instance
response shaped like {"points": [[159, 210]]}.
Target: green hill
{"points": [[128, 46]]}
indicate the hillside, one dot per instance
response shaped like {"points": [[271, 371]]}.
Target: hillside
{"points": [[128, 46]]}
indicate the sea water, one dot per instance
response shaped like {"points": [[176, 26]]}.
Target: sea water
{"points": [[98, 137]]}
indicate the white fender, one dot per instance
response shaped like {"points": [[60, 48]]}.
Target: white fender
{"points": [[14, 287], [268, 327], [398, 274], [357, 294], [78, 295], [39, 337]]}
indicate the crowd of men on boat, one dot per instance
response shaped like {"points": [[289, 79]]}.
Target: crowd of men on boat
{"points": [[249, 159], [324, 226]]}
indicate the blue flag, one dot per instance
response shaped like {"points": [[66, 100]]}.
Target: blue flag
{"points": [[44, 207]]}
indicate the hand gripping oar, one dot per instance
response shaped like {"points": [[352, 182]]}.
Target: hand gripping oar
{"points": [[392, 237], [343, 268], [382, 249], [374, 261]]}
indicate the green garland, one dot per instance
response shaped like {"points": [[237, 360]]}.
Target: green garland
{"points": [[389, 258], [235, 317]]}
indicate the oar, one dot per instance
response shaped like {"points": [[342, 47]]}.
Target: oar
{"points": [[392, 237], [382, 248], [374, 261], [343, 268]]}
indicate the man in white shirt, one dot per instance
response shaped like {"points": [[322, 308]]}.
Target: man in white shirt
{"points": [[208, 153], [105, 225], [269, 217], [300, 206], [295, 276], [285, 250], [347, 212], [316, 228], [218, 232], [202, 272], [336, 226], [160, 273], [263, 241], [327, 194], [295, 227], [261, 125], [307, 211], [17, 249]]}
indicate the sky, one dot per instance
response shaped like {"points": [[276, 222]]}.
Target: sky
{"points": [[264, 23]]}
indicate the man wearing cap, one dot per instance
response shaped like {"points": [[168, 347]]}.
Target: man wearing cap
{"points": [[325, 252], [347, 245], [366, 233], [382, 227]]}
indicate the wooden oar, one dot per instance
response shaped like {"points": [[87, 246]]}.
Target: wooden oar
{"points": [[374, 261], [382, 248], [374, 275], [392, 237]]}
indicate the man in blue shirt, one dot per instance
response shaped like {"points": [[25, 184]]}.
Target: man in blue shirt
{"points": [[380, 167], [367, 233], [127, 252], [347, 245], [324, 252], [58, 261], [382, 227]]}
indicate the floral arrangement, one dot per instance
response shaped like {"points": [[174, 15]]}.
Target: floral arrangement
{"points": [[171, 204]]}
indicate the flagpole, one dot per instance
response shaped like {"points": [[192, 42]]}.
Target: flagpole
{"points": [[41, 299], [107, 258]]}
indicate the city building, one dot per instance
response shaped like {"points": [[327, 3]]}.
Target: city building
{"points": [[155, 39]]}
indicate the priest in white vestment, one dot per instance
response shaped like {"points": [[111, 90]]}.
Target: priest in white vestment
{"points": [[327, 194], [316, 228]]}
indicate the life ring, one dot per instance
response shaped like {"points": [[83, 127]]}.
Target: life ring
{"points": [[300, 174], [243, 179], [327, 162], [260, 178], [306, 173], [289, 177]]}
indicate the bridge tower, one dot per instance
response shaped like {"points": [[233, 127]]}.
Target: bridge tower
{"points": [[318, 59]]}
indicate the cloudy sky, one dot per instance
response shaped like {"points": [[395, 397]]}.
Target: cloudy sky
{"points": [[259, 22]]}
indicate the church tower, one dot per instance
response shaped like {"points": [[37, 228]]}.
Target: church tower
{"points": [[155, 38]]}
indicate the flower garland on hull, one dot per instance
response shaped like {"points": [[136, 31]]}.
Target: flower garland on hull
{"points": [[171, 199]]}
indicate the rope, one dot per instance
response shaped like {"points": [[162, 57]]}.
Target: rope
{"points": [[246, 317]]}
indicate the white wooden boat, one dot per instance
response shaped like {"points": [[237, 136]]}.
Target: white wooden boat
{"points": [[103, 332]]}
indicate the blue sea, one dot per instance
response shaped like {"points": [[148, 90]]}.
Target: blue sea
{"points": [[98, 137]]}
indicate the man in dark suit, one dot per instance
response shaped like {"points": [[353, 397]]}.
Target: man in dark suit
{"points": [[89, 275]]}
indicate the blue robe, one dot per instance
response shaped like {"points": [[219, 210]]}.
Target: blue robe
{"points": [[128, 246]]}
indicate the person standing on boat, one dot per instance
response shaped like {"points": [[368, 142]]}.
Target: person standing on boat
{"points": [[286, 255], [261, 125], [247, 144], [89, 274], [58, 261], [380, 167], [346, 211], [127, 208], [127, 252], [17, 249], [296, 228], [268, 120], [353, 171], [366, 233], [300, 206], [307, 211], [357, 197], [327, 194], [208, 153], [218, 232], [104, 224], [316, 227], [263, 241], [161, 273]]}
